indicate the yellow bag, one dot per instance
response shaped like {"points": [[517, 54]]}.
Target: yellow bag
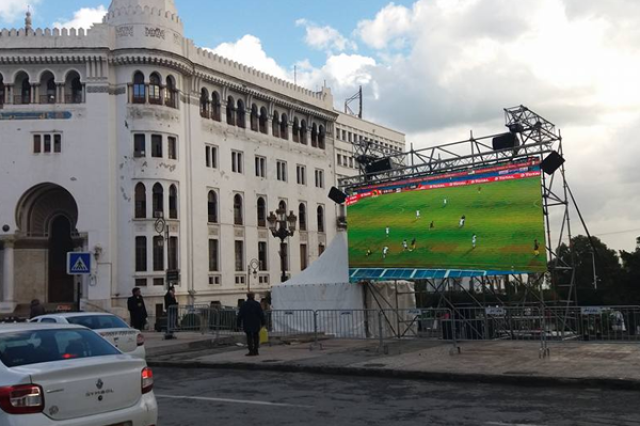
{"points": [[264, 336]]}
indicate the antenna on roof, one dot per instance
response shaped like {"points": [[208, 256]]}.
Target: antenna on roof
{"points": [[357, 97]]}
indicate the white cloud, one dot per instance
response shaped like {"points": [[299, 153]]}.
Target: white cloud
{"points": [[248, 51], [14, 10], [325, 38], [83, 18], [391, 24], [574, 61]]}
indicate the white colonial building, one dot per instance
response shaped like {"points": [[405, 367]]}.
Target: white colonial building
{"points": [[106, 130]]}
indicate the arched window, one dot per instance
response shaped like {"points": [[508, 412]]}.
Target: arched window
{"points": [[275, 125], [262, 212], [170, 93], [303, 132], [141, 201], [48, 88], [314, 135], [284, 127], [264, 119], [296, 130], [212, 207], [302, 216], [215, 106], [237, 210], [320, 219], [139, 88], [231, 118], [158, 200], [154, 89], [254, 117], [204, 103], [23, 89], [321, 137], [73, 89], [282, 205], [173, 202], [240, 113]]}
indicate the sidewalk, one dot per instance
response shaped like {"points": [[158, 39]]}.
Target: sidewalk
{"points": [[185, 343], [577, 364]]}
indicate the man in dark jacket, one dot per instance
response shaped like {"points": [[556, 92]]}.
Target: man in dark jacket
{"points": [[251, 319], [172, 314], [36, 309], [137, 310]]}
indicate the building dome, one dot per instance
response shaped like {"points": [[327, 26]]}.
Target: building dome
{"points": [[165, 5], [150, 24]]}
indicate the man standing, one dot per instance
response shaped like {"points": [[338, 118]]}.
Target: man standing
{"points": [[462, 221], [137, 310], [36, 309], [536, 248], [387, 229], [251, 319], [474, 239], [417, 214], [405, 245], [172, 313], [385, 250]]}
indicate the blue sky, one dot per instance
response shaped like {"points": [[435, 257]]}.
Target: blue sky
{"points": [[210, 23]]}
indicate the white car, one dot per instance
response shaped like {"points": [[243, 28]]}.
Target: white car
{"points": [[111, 327], [67, 375]]}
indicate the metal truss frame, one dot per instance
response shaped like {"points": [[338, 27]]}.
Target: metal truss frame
{"points": [[537, 137]]}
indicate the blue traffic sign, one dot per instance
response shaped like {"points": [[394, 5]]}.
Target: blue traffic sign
{"points": [[78, 263]]}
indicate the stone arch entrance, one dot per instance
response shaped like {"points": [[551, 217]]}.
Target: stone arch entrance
{"points": [[46, 216]]}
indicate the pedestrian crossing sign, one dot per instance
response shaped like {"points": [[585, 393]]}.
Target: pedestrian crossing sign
{"points": [[78, 263]]}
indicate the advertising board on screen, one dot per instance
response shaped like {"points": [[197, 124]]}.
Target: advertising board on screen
{"points": [[480, 222]]}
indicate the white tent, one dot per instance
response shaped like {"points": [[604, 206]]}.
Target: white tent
{"points": [[324, 287]]}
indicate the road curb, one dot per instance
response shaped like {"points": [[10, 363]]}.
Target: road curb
{"points": [[220, 342], [529, 381]]}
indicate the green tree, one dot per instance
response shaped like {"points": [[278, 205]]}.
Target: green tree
{"points": [[630, 283], [604, 287]]}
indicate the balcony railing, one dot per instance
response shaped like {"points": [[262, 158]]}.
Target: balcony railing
{"points": [[76, 98], [170, 102], [21, 100], [48, 99]]}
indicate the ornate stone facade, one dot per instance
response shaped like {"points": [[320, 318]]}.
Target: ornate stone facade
{"points": [[128, 122]]}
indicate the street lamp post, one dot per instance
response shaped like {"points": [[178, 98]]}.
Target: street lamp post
{"points": [[282, 227]]}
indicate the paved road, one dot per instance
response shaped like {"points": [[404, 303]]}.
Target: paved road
{"points": [[230, 398]]}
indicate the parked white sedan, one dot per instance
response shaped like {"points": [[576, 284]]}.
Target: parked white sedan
{"points": [[111, 327], [57, 374]]}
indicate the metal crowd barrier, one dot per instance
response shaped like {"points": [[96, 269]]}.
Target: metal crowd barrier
{"points": [[455, 324]]}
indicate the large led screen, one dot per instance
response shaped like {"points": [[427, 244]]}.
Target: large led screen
{"points": [[486, 220]]}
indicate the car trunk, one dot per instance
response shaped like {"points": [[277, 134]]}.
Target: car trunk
{"points": [[123, 339], [87, 386]]}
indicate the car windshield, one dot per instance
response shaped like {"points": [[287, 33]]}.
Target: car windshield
{"points": [[34, 347], [98, 322]]}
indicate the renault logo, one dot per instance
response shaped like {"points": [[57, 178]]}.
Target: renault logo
{"points": [[99, 384]]}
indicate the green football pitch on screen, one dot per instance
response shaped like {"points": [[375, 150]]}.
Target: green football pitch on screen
{"points": [[495, 226]]}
